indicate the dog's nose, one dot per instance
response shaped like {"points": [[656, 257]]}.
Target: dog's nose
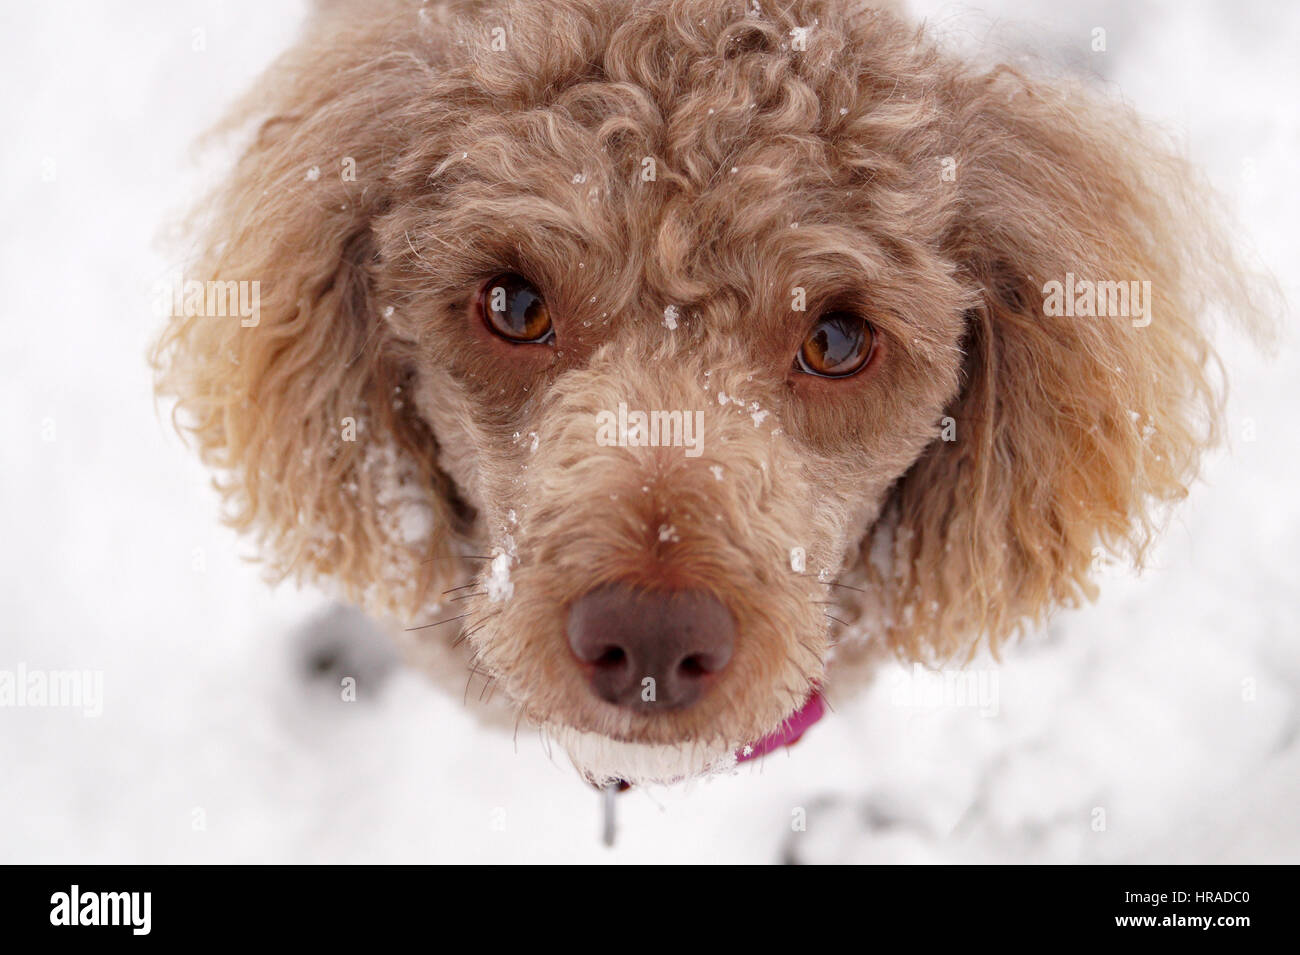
{"points": [[645, 649]]}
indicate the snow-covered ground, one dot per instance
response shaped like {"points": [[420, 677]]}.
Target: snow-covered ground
{"points": [[1160, 724]]}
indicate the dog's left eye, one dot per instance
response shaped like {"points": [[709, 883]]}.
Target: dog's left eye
{"points": [[839, 345], [513, 308]]}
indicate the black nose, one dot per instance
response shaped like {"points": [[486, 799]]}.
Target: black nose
{"points": [[647, 650]]}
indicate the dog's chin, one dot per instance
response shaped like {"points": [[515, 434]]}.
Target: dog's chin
{"points": [[602, 760]]}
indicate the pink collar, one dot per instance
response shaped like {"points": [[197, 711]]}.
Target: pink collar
{"points": [[788, 733]]}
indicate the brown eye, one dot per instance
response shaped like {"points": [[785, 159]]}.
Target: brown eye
{"points": [[515, 310], [839, 345]]}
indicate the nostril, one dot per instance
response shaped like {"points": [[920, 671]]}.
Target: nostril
{"points": [[693, 666], [610, 658]]}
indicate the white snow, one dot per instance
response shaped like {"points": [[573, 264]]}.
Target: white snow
{"points": [[1167, 711], [499, 585]]}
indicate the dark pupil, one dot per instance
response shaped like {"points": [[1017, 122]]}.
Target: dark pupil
{"points": [[522, 305], [838, 339]]}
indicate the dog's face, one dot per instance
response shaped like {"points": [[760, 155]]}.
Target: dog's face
{"points": [[806, 248], [737, 289]]}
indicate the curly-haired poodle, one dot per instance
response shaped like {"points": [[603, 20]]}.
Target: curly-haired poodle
{"points": [[665, 362]]}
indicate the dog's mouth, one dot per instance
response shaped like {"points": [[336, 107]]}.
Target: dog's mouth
{"points": [[604, 760]]}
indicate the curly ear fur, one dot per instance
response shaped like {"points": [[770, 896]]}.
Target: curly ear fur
{"points": [[1071, 433], [302, 416]]}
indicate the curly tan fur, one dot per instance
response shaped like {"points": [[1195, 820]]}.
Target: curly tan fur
{"points": [[776, 168]]}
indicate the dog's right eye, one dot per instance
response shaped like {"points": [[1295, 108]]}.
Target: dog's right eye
{"points": [[840, 345], [511, 307]]}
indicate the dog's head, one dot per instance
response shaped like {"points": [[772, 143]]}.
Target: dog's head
{"points": [[688, 340]]}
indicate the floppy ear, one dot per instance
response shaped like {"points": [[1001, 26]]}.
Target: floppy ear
{"points": [[1071, 432], [299, 405]]}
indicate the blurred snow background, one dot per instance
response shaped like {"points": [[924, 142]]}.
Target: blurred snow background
{"points": [[1170, 706]]}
